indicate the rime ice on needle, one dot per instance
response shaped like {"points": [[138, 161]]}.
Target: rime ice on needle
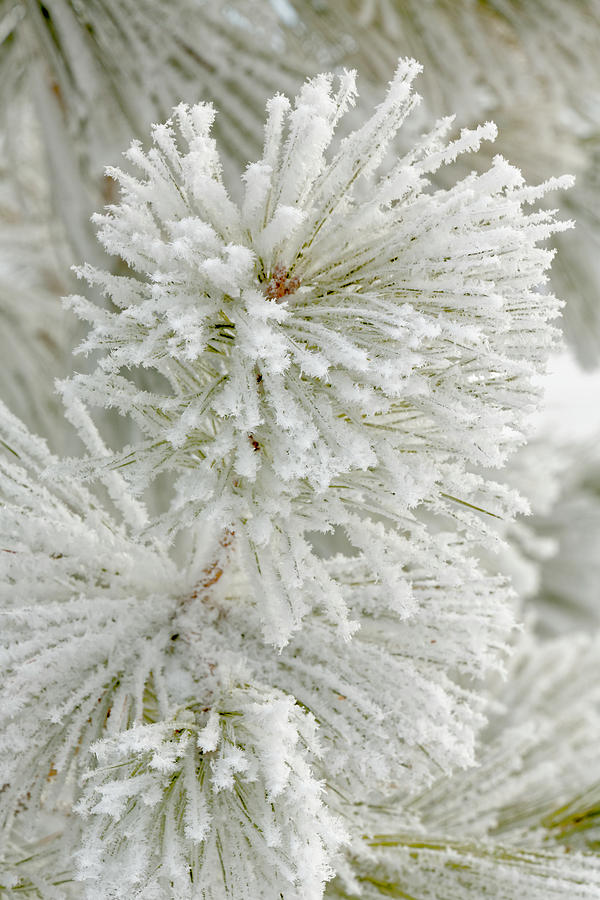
{"points": [[339, 349]]}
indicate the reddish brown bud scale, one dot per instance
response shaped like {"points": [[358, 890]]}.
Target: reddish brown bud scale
{"points": [[280, 284]]}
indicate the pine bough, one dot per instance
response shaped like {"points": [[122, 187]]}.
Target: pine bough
{"points": [[231, 697]]}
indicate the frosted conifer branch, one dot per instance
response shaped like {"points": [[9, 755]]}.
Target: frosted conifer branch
{"points": [[434, 721], [435, 868], [345, 351], [215, 805], [195, 630], [538, 751], [343, 344], [519, 66], [72, 581], [508, 826]]}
